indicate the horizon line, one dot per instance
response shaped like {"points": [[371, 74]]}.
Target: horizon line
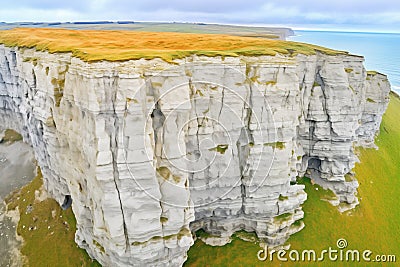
{"points": [[255, 25]]}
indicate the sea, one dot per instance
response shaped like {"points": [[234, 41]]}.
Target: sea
{"points": [[380, 50]]}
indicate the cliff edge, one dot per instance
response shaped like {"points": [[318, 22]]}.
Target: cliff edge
{"points": [[151, 145]]}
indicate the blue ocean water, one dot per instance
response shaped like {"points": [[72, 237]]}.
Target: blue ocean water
{"points": [[380, 50]]}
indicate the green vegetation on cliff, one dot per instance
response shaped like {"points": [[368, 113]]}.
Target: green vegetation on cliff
{"points": [[48, 231], [10, 136], [373, 225], [90, 45]]}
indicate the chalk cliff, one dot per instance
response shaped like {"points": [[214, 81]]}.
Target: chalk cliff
{"points": [[150, 151]]}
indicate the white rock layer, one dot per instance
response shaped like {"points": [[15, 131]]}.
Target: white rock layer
{"points": [[149, 150]]}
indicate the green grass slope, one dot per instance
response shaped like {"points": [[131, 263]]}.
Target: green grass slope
{"points": [[48, 231], [373, 225]]}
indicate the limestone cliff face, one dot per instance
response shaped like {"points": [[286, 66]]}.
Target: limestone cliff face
{"points": [[150, 151]]}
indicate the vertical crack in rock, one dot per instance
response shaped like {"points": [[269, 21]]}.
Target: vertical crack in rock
{"points": [[114, 151], [320, 81], [245, 138], [193, 98], [222, 102], [113, 133], [158, 119], [278, 211], [34, 79], [243, 153]]}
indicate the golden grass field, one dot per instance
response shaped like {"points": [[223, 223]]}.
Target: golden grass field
{"points": [[94, 45]]}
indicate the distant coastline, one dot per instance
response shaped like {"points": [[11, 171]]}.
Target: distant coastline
{"points": [[377, 48]]}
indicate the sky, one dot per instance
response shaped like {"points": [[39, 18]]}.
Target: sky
{"points": [[359, 15]]}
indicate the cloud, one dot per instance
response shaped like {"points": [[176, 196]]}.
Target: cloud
{"points": [[204, 6], [292, 12], [76, 5]]}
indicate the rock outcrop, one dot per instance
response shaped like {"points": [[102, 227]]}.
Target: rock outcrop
{"points": [[150, 151]]}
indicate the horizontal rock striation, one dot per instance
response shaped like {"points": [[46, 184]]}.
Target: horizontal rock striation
{"points": [[150, 151]]}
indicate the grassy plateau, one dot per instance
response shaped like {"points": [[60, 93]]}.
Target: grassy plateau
{"points": [[97, 45]]}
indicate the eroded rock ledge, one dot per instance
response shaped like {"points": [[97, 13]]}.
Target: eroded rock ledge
{"points": [[150, 151]]}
